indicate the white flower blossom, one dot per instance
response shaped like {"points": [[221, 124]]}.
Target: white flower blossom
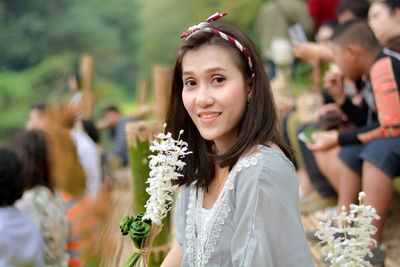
{"points": [[349, 242], [163, 169]]}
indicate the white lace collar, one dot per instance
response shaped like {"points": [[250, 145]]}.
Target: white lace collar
{"points": [[201, 240]]}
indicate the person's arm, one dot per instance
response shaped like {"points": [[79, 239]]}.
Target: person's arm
{"points": [[356, 114], [174, 257], [387, 98], [312, 51], [267, 215], [334, 84], [385, 82]]}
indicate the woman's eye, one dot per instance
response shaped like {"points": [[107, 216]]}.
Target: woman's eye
{"points": [[190, 83], [219, 79]]}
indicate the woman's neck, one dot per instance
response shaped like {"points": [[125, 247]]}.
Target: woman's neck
{"points": [[222, 146], [216, 186]]}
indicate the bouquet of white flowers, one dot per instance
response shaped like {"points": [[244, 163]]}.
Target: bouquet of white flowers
{"points": [[349, 243], [164, 168]]}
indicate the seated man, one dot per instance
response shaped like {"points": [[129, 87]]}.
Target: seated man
{"points": [[369, 155], [21, 243]]}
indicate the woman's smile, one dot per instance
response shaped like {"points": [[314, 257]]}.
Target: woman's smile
{"points": [[208, 117]]}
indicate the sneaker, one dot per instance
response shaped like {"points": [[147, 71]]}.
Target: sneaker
{"points": [[314, 202], [312, 237], [378, 256], [326, 214], [324, 261]]}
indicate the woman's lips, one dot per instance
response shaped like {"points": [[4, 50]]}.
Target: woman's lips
{"points": [[208, 117]]}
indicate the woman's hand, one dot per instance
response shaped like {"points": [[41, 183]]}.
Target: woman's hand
{"points": [[324, 140]]}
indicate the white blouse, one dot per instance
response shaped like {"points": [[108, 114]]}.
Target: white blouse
{"points": [[205, 218], [254, 222]]}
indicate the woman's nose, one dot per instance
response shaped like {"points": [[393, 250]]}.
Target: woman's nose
{"points": [[204, 97]]}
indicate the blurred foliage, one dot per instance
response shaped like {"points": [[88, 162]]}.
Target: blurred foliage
{"points": [[40, 45], [41, 41], [160, 23], [302, 77]]}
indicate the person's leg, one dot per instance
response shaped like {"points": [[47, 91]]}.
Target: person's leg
{"points": [[317, 179], [378, 187], [328, 162], [349, 186], [304, 182], [349, 166], [381, 164]]}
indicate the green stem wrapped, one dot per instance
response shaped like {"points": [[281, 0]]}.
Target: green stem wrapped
{"points": [[132, 260], [139, 135]]}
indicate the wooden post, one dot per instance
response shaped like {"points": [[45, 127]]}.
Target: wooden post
{"points": [[143, 88], [141, 96], [139, 134], [86, 70], [161, 84]]}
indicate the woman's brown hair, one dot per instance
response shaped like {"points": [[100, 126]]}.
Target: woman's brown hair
{"points": [[259, 124], [31, 147]]}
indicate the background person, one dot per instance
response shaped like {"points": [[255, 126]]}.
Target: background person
{"points": [[115, 122], [21, 243], [384, 20], [369, 155], [41, 201]]}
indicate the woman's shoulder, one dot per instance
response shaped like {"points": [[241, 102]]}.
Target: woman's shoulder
{"points": [[272, 153], [266, 156], [264, 162]]}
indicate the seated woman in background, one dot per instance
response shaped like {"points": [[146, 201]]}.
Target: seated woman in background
{"points": [[384, 20], [20, 242], [41, 201]]}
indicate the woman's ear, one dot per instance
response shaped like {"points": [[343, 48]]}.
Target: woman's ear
{"points": [[249, 88]]}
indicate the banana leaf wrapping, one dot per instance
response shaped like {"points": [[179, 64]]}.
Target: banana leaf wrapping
{"points": [[142, 233]]}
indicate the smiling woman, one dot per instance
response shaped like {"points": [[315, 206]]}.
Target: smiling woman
{"points": [[214, 94], [237, 184]]}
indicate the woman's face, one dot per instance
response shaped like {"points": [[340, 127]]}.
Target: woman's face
{"points": [[384, 23], [214, 93]]}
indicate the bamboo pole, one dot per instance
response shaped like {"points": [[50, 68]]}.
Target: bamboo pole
{"points": [[86, 71], [139, 134], [161, 80]]}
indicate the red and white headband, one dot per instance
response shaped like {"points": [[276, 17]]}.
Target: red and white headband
{"points": [[204, 26]]}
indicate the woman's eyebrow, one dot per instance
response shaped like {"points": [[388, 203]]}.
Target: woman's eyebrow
{"points": [[207, 70]]}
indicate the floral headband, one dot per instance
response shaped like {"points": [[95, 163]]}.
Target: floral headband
{"points": [[204, 26]]}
